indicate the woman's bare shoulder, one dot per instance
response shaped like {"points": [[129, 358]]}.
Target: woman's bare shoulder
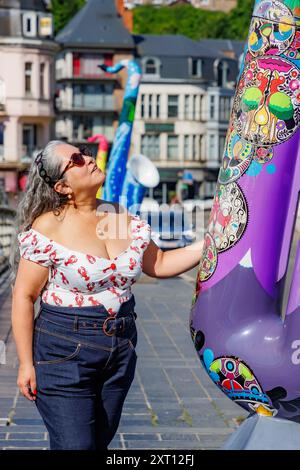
{"points": [[45, 223]]}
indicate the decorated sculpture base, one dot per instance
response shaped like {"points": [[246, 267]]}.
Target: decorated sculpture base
{"points": [[263, 433]]}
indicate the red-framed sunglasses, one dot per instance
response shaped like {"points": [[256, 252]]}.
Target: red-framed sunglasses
{"points": [[77, 159]]}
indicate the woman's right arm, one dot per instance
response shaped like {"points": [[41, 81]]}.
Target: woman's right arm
{"points": [[30, 279]]}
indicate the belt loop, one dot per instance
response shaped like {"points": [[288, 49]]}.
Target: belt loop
{"points": [[75, 324]]}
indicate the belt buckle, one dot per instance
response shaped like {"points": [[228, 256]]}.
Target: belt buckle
{"points": [[104, 325]]}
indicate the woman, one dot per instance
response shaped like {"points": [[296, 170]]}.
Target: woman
{"points": [[77, 358]]}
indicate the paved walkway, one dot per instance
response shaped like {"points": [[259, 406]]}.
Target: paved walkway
{"points": [[172, 404]]}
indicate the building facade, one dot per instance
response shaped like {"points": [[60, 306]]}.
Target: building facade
{"points": [[183, 112], [88, 101], [215, 5], [27, 51]]}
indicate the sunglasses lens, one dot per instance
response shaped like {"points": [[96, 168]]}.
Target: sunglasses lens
{"points": [[86, 151], [78, 159]]}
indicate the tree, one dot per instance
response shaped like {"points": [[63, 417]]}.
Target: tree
{"points": [[63, 11], [194, 22]]}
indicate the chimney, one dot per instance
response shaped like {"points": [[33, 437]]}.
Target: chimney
{"points": [[126, 14]]}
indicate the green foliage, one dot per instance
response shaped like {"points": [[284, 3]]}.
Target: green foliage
{"points": [[194, 22], [63, 11], [180, 19]]}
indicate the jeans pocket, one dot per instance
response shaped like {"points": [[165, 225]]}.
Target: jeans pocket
{"points": [[50, 348]]}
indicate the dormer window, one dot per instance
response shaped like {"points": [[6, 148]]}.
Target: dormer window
{"points": [[197, 68], [29, 24], [151, 66], [221, 73]]}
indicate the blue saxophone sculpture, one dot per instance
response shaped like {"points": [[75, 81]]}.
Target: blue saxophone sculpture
{"points": [[116, 168]]}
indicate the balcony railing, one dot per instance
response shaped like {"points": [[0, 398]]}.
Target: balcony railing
{"points": [[106, 104]]}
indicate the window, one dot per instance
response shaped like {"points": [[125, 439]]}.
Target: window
{"points": [[150, 100], [225, 108], [212, 143], [28, 77], [186, 106], [158, 106], [173, 147], [201, 149], [86, 65], [201, 108], [151, 146], [222, 140], [195, 155], [142, 106], [29, 24], [42, 80], [93, 96], [212, 107], [173, 106], [151, 66], [194, 107], [223, 74], [29, 139], [87, 126], [197, 68], [186, 148]]}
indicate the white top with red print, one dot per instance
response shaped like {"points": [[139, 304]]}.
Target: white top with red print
{"points": [[78, 279]]}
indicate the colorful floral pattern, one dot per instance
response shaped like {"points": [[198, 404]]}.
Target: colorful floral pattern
{"points": [[78, 279]]}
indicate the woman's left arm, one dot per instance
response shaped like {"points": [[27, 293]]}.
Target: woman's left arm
{"points": [[164, 264]]}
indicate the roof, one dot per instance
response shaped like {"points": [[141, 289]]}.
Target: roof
{"points": [[97, 24], [174, 53], [33, 5], [223, 45], [170, 45]]}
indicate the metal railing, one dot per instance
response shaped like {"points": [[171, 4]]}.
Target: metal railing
{"points": [[7, 220]]}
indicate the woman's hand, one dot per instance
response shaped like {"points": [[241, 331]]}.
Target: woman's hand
{"points": [[27, 381]]}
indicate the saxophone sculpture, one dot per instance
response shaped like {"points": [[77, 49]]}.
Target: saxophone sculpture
{"points": [[247, 339], [116, 168]]}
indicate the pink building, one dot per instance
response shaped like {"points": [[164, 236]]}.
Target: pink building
{"points": [[26, 86]]}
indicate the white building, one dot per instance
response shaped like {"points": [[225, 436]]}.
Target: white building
{"points": [[183, 111], [27, 54], [88, 100]]}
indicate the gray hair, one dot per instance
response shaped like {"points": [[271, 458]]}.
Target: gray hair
{"points": [[37, 199]]}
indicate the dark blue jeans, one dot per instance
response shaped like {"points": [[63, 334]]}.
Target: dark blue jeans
{"points": [[83, 373]]}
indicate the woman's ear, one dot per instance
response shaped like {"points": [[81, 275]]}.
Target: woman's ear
{"points": [[61, 188]]}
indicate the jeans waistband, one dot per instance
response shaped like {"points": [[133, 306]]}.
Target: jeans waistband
{"points": [[92, 312]]}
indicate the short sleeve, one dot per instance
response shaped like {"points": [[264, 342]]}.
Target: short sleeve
{"points": [[34, 248]]}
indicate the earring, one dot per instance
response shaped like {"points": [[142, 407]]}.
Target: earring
{"points": [[69, 196]]}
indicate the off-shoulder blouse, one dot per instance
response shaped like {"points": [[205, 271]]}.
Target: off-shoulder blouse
{"points": [[78, 279]]}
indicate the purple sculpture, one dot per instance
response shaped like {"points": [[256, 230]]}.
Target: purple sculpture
{"points": [[247, 340]]}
